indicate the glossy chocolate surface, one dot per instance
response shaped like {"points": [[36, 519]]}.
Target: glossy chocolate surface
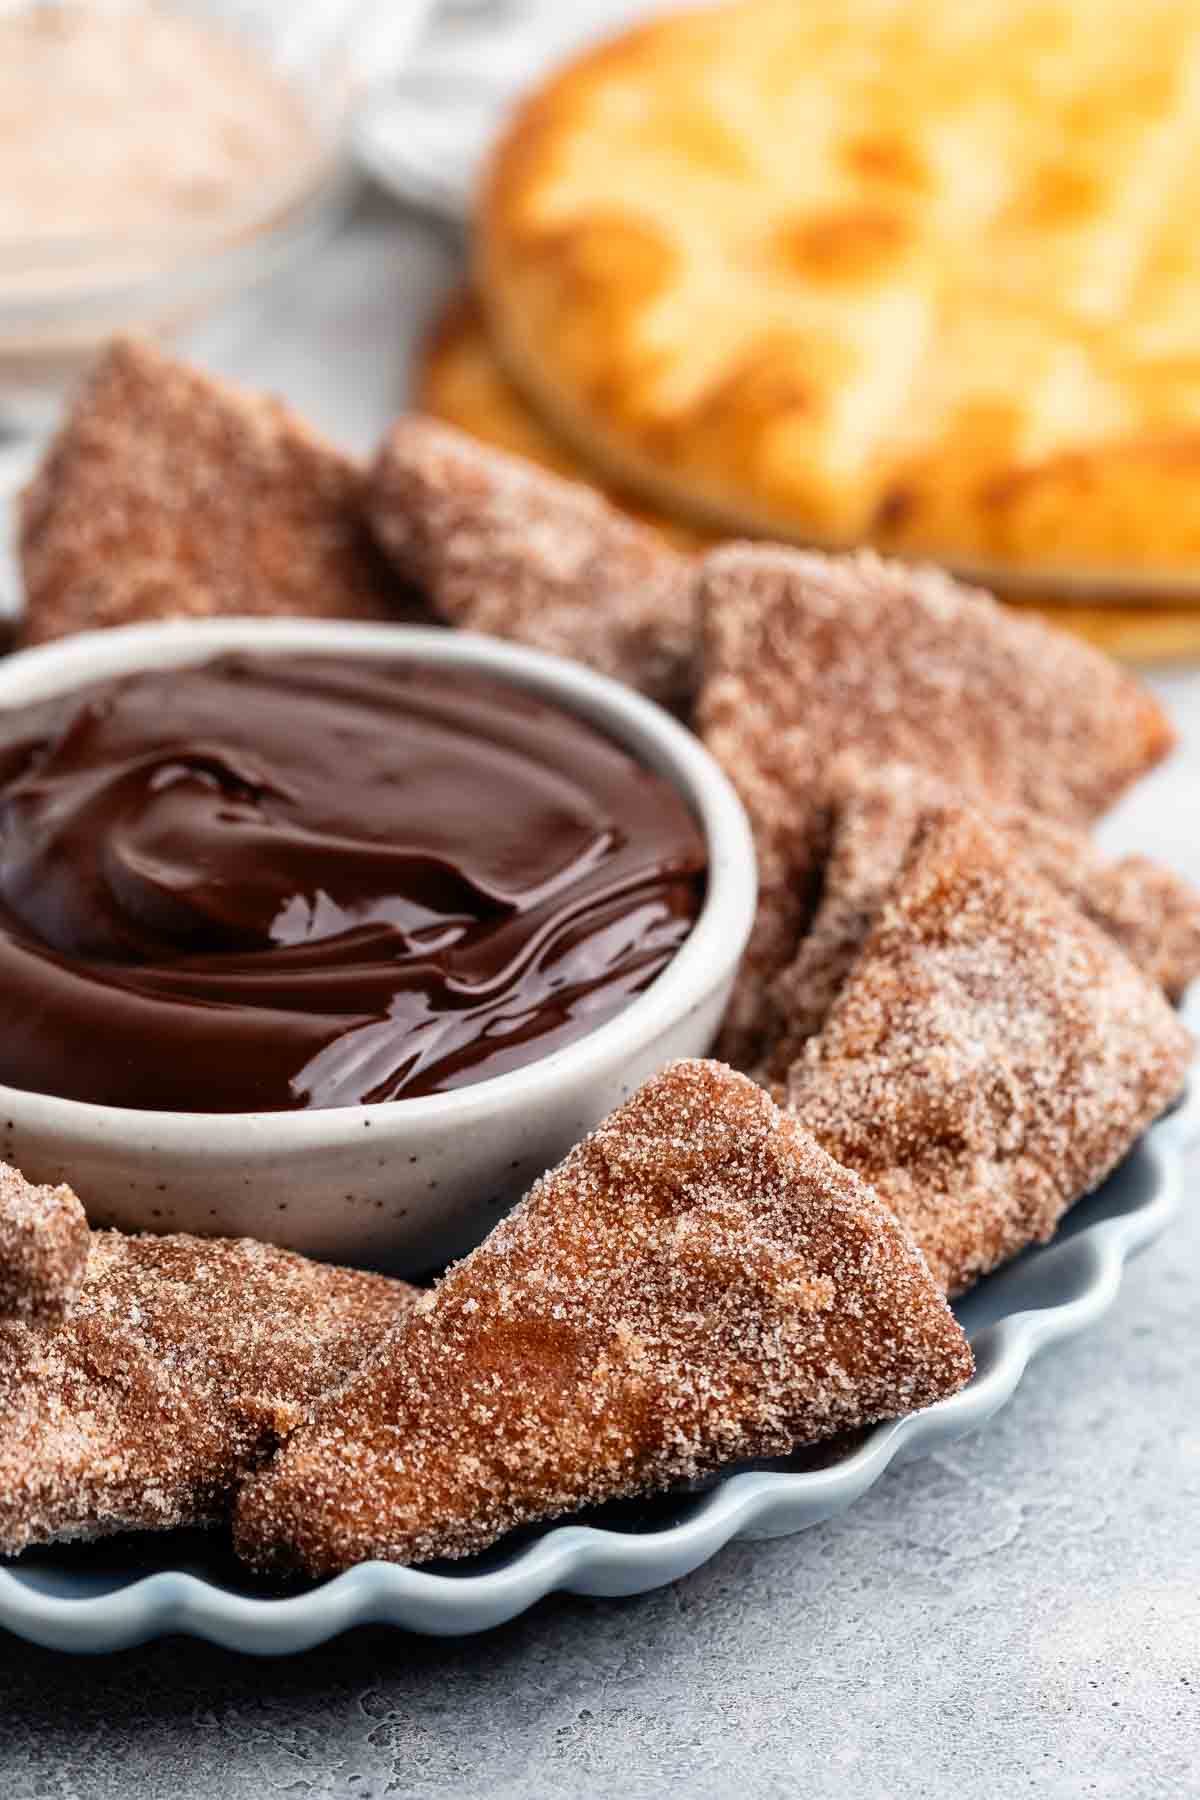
{"points": [[275, 882]]}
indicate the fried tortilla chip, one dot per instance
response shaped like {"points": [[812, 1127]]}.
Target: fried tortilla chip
{"points": [[168, 494], [43, 1250], [696, 1283], [808, 656], [181, 1364], [508, 549], [991, 1057], [1152, 913]]}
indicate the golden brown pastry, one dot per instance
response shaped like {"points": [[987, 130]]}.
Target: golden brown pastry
{"points": [[913, 274], [457, 378]]}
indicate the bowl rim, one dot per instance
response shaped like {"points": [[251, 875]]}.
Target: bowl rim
{"points": [[711, 949]]}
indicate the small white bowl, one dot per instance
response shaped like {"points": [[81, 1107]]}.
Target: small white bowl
{"points": [[409, 1183]]}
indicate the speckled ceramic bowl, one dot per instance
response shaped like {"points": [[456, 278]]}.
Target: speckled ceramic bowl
{"points": [[409, 1183]]}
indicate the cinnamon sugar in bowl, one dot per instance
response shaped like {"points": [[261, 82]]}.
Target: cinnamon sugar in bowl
{"points": [[158, 157]]}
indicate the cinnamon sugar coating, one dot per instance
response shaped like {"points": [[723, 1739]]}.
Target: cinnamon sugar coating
{"points": [[807, 656], [181, 1364], [992, 1056], [506, 548], [696, 1283], [1152, 913], [43, 1250], [791, 839], [168, 494]]}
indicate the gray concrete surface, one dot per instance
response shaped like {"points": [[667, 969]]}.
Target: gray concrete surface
{"points": [[1019, 1616]]}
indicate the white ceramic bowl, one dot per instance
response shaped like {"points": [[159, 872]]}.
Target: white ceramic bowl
{"points": [[409, 1183]]}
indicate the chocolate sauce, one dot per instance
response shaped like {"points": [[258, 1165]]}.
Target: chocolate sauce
{"points": [[296, 881]]}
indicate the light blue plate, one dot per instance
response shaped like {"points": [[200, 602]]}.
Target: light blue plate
{"points": [[109, 1596], [106, 1597]]}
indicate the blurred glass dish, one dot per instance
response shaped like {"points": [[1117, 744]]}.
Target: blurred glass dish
{"points": [[160, 156]]}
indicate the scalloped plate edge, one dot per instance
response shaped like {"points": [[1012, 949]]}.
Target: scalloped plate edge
{"points": [[1086, 1267]]}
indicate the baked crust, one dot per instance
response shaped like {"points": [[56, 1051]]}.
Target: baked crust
{"points": [[785, 271], [457, 378]]}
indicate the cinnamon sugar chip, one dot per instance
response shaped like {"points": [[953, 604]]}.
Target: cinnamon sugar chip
{"points": [[696, 1283], [992, 1056], [43, 1250], [168, 494], [182, 1363], [505, 548], [791, 858], [1152, 913], [807, 656]]}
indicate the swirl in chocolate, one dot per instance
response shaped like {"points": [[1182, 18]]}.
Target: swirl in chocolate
{"points": [[297, 881]]}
